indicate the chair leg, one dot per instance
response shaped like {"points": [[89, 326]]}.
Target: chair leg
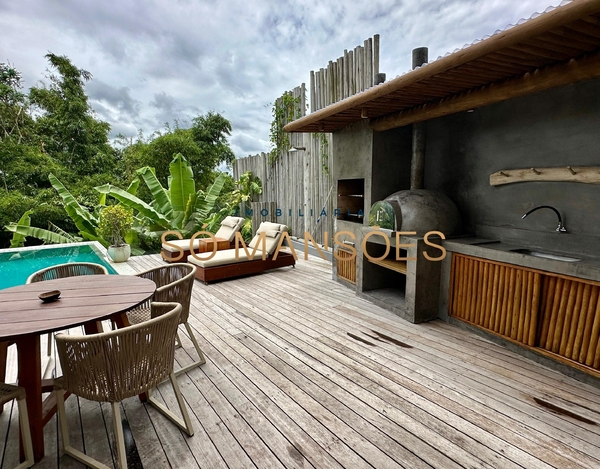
{"points": [[64, 431], [119, 439], [202, 359], [25, 434], [186, 423], [50, 341], [3, 358]]}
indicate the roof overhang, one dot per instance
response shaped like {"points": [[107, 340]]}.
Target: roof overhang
{"points": [[558, 47]]}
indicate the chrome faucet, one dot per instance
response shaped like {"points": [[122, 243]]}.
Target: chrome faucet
{"points": [[560, 228]]}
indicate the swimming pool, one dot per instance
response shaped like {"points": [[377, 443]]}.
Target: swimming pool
{"points": [[16, 265]]}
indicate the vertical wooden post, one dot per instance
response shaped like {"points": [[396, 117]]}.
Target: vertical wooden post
{"points": [[369, 64], [312, 91], [346, 75], [375, 55]]}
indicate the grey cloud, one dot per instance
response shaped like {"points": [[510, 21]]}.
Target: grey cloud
{"points": [[183, 58], [119, 98]]}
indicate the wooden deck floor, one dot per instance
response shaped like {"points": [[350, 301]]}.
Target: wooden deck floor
{"points": [[302, 373]]}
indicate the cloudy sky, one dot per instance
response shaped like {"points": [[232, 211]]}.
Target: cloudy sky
{"points": [[156, 61]]}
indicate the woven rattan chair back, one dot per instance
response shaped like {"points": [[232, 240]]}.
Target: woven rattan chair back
{"points": [[112, 366], [174, 283], [71, 269]]}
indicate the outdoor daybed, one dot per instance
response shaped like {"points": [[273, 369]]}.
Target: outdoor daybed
{"points": [[228, 264], [171, 250]]}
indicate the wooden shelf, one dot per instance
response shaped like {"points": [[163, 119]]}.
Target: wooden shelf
{"points": [[392, 264]]}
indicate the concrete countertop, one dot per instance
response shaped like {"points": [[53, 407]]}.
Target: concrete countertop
{"points": [[587, 268]]}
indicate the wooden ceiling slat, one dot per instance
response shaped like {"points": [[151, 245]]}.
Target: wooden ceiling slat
{"points": [[490, 64], [574, 36], [443, 90], [525, 56], [560, 44], [541, 51], [583, 27], [486, 76], [459, 77], [509, 61]]}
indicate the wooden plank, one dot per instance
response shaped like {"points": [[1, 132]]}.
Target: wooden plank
{"points": [[582, 174], [370, 366], [396, 266]]}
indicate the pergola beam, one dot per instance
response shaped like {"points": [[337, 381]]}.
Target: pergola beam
{"points": [[572, 71]]}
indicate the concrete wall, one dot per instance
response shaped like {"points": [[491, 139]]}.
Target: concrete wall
{"points": [[391, 162], [559, 127]]}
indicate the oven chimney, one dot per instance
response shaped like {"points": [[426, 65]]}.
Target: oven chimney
{"points": [[417, 165]]}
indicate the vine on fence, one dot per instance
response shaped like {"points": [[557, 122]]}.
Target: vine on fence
{"points": [[285, 109], [323, 149]]}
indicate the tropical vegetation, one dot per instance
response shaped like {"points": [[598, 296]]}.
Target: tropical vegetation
{"points": [[51, 139]]}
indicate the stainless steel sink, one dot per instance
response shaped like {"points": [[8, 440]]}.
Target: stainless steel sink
{"points": [[546, 255]]}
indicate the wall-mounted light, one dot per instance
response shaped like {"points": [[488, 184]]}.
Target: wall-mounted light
{"points": [[297, 149]]}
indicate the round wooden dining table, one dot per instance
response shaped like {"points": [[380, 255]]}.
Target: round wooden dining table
{"points": [[84, 301]]}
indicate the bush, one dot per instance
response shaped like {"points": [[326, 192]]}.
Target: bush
{"points": [[115, 222]]}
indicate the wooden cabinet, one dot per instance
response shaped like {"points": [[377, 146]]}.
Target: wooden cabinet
{"points": [[555, 314]]}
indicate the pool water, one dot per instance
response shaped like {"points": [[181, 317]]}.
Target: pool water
{"points": [[17, 266]]}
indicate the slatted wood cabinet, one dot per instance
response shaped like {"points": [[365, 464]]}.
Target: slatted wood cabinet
{"points": [[346, 266], [553, 313]]}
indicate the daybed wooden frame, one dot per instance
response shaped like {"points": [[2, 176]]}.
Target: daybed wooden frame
{"points": [[238, 269]]}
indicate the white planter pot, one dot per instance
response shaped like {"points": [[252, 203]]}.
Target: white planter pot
{"points": [[119, 253]]}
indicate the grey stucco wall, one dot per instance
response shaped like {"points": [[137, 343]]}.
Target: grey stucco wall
{"points": [[391, 162], [559, 127]]}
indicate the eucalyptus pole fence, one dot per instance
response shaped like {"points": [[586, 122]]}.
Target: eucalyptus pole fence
{"points": [[298, 184], [355, 71]]}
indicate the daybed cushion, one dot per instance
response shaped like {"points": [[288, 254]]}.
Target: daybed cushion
{"points": [[229, 227], [272, 235], [182, 243], [224, 258]]}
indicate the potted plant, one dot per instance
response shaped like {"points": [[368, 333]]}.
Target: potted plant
{"points": [[115, 221]]}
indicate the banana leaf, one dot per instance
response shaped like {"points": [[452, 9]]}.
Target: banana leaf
{"points": [[205, 203], [18, 240], [39, 233], [131, 201], [60, 231], [162, 201], [182, 183], [82, 218], [133, 187]]}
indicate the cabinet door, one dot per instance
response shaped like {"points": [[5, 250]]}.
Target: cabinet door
{"points": [[570, 320], [550, 312], [499, 297]]}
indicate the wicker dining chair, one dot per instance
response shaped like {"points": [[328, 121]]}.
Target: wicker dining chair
{"points": [[174, 282], [8, 392], [71, 269], [112, 366]]}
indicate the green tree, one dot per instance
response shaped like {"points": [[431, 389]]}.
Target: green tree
{"points": [[15, 121], [205, 145], [67, 127]]}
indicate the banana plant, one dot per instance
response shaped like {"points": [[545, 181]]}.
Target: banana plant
{"points": [[179, 207], [85, 221]]}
